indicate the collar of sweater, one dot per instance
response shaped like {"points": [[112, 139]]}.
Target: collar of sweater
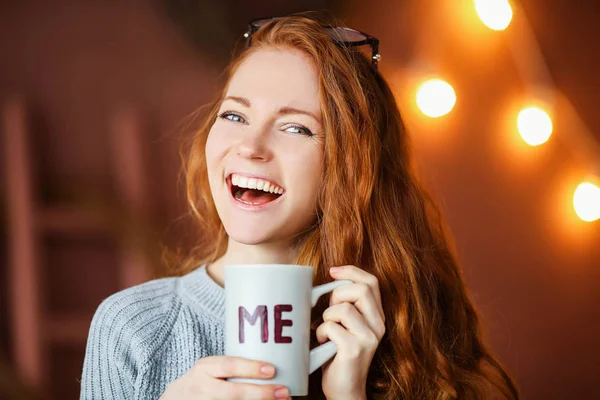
{"points": [[204, 292]]}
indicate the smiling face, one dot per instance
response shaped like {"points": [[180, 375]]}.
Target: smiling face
{"points": [[264, 152]]}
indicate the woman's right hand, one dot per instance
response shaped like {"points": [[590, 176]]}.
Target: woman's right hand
{"points": [[206, 381]]}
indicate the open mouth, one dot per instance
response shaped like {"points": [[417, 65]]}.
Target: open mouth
{"points": [[253, 191]]}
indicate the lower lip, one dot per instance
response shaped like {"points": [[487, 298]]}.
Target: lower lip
{"points": [[250, 207]]}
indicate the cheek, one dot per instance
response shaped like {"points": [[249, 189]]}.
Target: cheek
{"points": [[214, 153], [210, 144], [308, 172], [215, 147]]}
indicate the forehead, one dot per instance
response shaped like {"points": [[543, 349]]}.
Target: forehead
{"points": [[277, 78]]}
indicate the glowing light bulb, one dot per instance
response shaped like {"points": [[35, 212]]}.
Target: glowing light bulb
{"points": [[495, 14], [435, 98], [586, 201], [535, 126]]}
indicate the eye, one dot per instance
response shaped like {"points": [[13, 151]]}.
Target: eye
{"points": [[299, 130], [233, 117]]}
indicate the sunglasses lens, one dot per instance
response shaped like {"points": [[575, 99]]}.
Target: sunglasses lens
{"points": [[342, 34]]}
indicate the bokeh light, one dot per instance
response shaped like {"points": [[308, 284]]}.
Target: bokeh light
{"points": [[495, 14], [534, 125], [435, 98], [586, 201]]}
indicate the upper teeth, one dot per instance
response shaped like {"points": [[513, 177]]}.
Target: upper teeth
{"points": [[255, 183]]}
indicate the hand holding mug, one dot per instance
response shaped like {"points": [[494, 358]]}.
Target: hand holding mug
{"points": [[206, 380], [355, 322]]}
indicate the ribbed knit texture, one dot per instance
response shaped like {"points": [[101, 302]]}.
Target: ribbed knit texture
{"points": [[144, 337]]}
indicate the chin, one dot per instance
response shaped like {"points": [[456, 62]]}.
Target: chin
{"points": [[248, 235]]}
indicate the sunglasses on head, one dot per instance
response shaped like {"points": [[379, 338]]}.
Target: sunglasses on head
{"points": [[338, 34]]}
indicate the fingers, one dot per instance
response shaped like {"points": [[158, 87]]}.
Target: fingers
{"points": [[357, 275], [334, 332], [235, 367], [243, 391], [349, 317], [220, 367], [361, 298], [206, 380], [364, 294]]}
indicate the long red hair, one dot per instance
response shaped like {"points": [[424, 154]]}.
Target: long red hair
{"points": [[371, 213]]}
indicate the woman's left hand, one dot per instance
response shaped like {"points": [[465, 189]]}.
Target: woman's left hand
{"points": [[355, 322]]}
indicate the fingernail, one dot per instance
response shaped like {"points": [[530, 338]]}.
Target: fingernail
{"points": [[267, 370], [334, 270], [282, 393]]}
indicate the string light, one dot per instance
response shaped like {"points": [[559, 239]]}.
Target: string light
{"points": [[495, 14], [534, 125], [435, 98], [586, 202]]}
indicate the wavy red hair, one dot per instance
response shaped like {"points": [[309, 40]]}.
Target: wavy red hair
{"points": [[371, 213]]}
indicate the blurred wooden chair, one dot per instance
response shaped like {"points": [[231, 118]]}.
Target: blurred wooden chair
{"points": [[33, 329]]}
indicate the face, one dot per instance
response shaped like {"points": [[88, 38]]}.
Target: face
{"points": [[264, 152]]}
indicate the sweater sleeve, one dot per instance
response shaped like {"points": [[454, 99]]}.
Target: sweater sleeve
{"points": [[122, 335]]}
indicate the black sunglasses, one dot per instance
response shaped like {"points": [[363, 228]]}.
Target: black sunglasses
{"points": [[338, 34]]}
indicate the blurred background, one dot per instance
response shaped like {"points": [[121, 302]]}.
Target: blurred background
{"points": [[94, 99]]}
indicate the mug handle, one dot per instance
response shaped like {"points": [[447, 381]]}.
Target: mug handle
{"points": [[323, 353]]}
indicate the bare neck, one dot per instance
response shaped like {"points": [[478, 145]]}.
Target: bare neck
{"points": [[239, 253]]}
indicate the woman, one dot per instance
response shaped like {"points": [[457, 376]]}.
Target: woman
{"points": [[304, 159]]}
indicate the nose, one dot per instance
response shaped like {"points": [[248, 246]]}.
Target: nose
{"points": [[254, 146]]}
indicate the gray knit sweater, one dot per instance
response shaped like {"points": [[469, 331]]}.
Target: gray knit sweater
{"points": [[146, 336]]}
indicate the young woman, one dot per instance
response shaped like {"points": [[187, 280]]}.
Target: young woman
{"points": [[304, 159]]}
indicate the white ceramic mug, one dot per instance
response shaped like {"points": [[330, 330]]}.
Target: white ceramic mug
{"points": [[268, 309]]}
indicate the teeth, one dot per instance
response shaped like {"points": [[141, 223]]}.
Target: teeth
{"points": [[255, 183]]}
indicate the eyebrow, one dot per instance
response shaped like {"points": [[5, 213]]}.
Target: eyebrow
{"points": [[282, 111]]}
